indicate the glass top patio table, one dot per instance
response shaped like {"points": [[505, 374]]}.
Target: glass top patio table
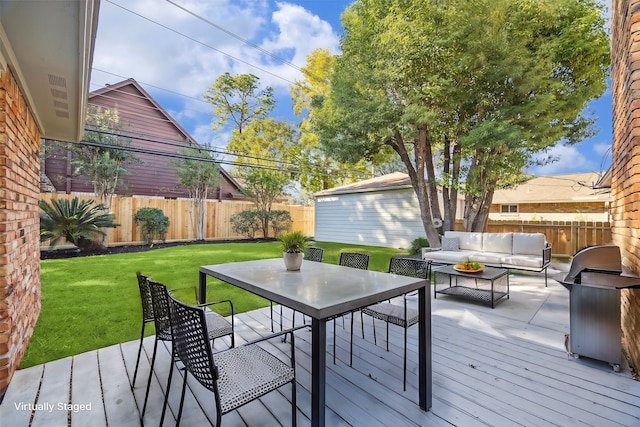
{"points": [[322, 291]]}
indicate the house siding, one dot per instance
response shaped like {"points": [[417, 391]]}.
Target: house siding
{"points": [[625, 177], [143, 118], [19, 226], [382, 218]]}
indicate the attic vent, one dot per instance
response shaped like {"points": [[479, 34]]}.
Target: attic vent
{"points": [[57, 81], [60, 104], [61, 94], [63, 114]]}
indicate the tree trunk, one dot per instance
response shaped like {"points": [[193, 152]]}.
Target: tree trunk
{"points": [[418, 179], [477, 210]]}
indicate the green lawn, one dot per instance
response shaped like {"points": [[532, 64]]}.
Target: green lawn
{"points": [[93, 302]]}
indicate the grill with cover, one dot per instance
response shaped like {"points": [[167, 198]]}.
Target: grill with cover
{"points": [[594, 281]]}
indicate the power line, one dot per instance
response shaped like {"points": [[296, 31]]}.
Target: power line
{"points": [[181, 156], [235, 36], [201, 43], [150, 85], [131, 135], [280, 165]]}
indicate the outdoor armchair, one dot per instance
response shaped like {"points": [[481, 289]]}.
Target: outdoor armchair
{"points": [[147, 315], [399, 315], [217, 326], [235, 376]]}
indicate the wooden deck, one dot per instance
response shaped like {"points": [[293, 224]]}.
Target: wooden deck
{"points": [[500, 367]]}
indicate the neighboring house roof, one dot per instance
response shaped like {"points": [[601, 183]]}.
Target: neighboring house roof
{"points": [[157, 138], [553, 189], [49, 47], [390, 181], [605, 180], [166, 116]]}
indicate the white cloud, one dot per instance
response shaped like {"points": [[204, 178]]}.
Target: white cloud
{"points": [[162, 46], [568, 159], [602, 148]]}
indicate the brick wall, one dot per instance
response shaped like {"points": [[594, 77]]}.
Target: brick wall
{"points": [[19, 226], [625, 185]]}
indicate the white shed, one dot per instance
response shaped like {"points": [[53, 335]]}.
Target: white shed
{"points": [[381, 211]]}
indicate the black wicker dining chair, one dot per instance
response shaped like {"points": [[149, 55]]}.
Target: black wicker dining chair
{"points": [[147, 315], [353, 260], [236, 376], [314, 254], [399, 315], [217, 326]]}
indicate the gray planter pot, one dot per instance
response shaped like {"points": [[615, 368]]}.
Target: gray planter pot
{"points": [[292, 261]]}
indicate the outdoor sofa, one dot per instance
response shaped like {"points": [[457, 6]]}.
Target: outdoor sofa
{"points": [[514, 251]]}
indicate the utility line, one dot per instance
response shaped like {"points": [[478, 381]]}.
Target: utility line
{"points": [[201, 43], [290, 166], [235, 36], [178, 145], [181, 156]]}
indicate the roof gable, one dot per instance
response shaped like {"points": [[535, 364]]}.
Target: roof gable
{"points": [[129, 96], [392, 181]]}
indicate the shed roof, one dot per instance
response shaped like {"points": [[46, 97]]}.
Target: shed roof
{"points": [[392, 181], [555, 188]]}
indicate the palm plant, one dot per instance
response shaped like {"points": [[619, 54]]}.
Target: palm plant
{"points": [[76, 221]]}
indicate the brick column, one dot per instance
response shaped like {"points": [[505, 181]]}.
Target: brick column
{"points": [[19, 226], [625, 184]]}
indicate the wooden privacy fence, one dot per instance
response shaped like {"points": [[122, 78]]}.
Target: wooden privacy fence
{"points": [[565, 237], [181, 217]]}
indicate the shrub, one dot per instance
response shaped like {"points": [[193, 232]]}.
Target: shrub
{"points": [[280, 221], [417, 244], [154, 224], [78, 222], [246, 223]]}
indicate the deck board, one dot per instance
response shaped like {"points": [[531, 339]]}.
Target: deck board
{"points": [[490, 368]]}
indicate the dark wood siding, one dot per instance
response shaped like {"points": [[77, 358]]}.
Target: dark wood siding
{"points": [[151, 129]]}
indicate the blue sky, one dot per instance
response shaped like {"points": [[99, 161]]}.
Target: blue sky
{"points": [[176, 54]]}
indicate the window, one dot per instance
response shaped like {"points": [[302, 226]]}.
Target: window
{"points": [[508, 208]]}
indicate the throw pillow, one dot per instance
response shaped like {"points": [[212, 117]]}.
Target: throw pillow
{"points": [[450, 244]]}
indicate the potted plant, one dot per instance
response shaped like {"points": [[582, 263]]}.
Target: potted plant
{"points": [[294, 244]]}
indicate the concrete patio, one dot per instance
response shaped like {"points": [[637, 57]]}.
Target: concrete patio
{"points": [[491, 367]]}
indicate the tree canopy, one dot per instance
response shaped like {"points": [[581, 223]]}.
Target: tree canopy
{"points": [[319, 171], [105, 163], [239, 99], [467, 93]]}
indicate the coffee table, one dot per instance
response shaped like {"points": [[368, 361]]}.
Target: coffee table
{"points": [[487, 286]]}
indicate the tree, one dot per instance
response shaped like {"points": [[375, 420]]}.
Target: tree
{"points": [[319, 170], [104, 163], [466, 93], [198, 173], [78, 222], [238, 98], [265, 147]]}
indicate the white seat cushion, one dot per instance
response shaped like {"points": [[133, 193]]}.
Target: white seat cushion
{"points": [[487, 258], [522, 261], [468, 241], [449, 257], [528, 243], [497, 242]]}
